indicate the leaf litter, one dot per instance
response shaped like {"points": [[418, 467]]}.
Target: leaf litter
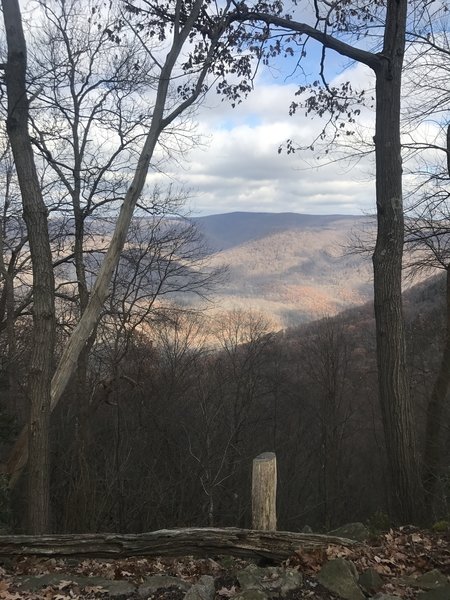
{"points": [[396, 555]]}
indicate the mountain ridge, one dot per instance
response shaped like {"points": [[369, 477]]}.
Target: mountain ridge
{"points": [[223, 231], [290, 266]]}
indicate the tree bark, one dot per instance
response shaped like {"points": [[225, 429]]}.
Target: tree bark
{"points": [[35, 215], [436, 404], [161, 118], [398, 421], [434, 419], [276, 545], [395, 401], [264, 492]]}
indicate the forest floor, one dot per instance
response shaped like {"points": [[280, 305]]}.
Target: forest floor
{"points": [[402, 558]]}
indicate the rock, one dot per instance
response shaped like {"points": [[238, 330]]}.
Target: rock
{"points": [[251, 594], [250, 577], [270, 579], [32, 583], [306, 529], [385, 597], [289, 579], [339, 576], [115, 588], [156, 582], [352, 531], [431, 580], [371, 581], [202, 590], [440, 593]]}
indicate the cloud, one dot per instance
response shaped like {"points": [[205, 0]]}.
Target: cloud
{"points": [[238, 166]]}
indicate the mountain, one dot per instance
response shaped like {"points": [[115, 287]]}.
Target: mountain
{"points": [[224, 231], [292, 267]]}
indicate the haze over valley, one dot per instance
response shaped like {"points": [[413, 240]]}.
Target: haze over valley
{"points": [[291, 267]]}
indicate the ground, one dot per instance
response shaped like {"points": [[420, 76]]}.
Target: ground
{"points": [[400, 557]]}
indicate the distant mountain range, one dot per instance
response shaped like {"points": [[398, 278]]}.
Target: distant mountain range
{"points": [[290, 266]]}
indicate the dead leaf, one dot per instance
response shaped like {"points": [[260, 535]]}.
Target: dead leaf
{"points": [[63, 584], [4, 585], [227, 592], [95, 589]]}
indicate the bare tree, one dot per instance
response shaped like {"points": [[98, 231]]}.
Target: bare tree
{"points": [[387, 65], [186, 62], [35, 215], [428, 240], [326, 356]]}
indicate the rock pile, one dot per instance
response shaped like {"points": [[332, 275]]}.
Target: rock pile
{"points": [[404, 564], [337, 579]]}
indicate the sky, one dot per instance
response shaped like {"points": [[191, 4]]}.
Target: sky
{"points": [[237, 167], [234, 165]]}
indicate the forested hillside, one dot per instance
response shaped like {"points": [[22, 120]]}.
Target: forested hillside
{"points": [[125, 405], [166, 431], [292, 268]]}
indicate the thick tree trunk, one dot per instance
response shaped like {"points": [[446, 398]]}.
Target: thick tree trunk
{"points": [[35, 215], [7, 305], [397, 412], [434, 419], [88, 321], [436, 404], [394, 394], [276, 545]]}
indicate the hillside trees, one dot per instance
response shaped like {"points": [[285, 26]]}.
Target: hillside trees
{"points": [[14, 296], [198, 40], [428, 232], [326, 355], [180, 51], [426, 138], [333, 24], [35, 215]]}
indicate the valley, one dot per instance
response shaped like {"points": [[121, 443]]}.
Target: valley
{"points": [[293, 268]]}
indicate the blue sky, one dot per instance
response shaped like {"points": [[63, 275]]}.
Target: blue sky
{"points": [[238, 167]]}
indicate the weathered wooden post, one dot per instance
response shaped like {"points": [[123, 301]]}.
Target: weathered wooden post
{"points": [[264, 492]]}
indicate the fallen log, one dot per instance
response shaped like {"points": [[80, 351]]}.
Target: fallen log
{"points": [[245, 543]]}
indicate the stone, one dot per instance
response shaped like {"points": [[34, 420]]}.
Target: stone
{"points": [[371, 581], [157, 582], [352, 531], [385, 597], [339, 576], [115, 588], [251, 594], [289, 579], [250, 577], [306, 529], [440, 593], [430, 580], [204, 589], [271, 579], [33, 583]]}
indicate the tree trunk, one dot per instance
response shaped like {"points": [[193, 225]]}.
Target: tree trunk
{"points": [[434, 419], [276, 545], [264, 492], [35, 215], [160, 120], [436, 404], [397, 412], [394, 394]]}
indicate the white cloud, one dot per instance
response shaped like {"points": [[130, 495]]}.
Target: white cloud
{"points": [[239, 167]]}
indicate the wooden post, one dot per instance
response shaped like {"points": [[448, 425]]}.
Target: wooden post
{"points": [[264, 492]]}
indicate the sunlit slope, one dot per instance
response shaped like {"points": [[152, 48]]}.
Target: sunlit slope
{"points": [[294, 269]]}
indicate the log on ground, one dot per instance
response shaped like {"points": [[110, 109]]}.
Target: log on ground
{"points": [[245, 543]]}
